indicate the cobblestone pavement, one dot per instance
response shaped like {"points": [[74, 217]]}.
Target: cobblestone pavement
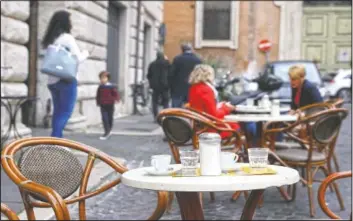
{"points": [[128, 203]]}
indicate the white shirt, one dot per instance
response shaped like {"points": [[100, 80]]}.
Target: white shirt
{"points": [[69, 41]]}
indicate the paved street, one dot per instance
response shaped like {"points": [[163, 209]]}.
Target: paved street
{"points": [[128, 203]]}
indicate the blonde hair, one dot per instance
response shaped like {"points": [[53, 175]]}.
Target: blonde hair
{"points": [[297, 71], [201, 73]]}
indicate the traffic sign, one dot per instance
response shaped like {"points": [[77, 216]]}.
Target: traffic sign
{"points": [[265, 45]]}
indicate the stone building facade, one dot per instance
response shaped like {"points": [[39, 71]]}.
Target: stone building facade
{"points": [[250, 21], [109, 28]]}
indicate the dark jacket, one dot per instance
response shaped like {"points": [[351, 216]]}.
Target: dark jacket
{"points": [[179, 76], [309, 95], [158, 72]]}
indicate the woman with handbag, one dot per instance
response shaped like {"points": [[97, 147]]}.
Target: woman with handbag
{"points": [[61, 63]]}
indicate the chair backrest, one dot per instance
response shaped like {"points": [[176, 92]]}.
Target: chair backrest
{"points": [[177, 130], [338, 102], [314, 108], [52, 166], [10, 214], [322, 192], [326, 128]]}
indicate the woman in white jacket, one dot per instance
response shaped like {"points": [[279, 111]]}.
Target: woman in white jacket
{"points": [[63, 93]]}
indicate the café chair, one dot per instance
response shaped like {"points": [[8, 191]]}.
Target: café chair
{"points": [[48, 175], [182, 127], [322, 192], [322, 129], [10, 214]]}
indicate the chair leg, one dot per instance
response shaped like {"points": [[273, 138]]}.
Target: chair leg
{"points": [[27, 205], [212, 195], [335, 161], [310, 191], [303, 174], [335, 186], [236, 195], [327, 173], [170, 201]]}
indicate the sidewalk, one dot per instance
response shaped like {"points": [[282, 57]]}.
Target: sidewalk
{"points": [[130, 125]]}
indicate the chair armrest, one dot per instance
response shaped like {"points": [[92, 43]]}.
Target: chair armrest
{"points": [[54, 199], [10, 214], [322, 191], [161, 205]]}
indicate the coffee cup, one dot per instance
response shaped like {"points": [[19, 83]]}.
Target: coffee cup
{"points": [[161, 162], [228, 159]]}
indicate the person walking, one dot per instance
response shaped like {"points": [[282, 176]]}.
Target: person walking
{"points": [[157, 77], [106, 97], [63, 92], [182, 66]]}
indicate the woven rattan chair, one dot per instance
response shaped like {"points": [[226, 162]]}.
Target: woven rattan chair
{"points": [[338, 102], [322, 192], [228, 142], [322, 129], [10, 214], [47, 175]]}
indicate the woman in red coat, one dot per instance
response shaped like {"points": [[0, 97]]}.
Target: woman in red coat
{"points": [[203, 96]]}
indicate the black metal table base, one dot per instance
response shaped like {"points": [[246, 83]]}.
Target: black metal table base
{"points": [[12, 110]]}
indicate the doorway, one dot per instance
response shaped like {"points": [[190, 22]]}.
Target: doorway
{"points": [[114, 28]]}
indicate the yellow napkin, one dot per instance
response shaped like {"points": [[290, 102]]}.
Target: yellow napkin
{"points": [[257, 171]]}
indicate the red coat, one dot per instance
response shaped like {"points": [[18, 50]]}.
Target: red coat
{"points": [[202, 98]]}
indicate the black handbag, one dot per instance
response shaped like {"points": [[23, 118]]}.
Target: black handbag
{"points": [[269, 82]]}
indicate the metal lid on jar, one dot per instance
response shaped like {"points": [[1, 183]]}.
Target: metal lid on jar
{"points": [[210, 137]]}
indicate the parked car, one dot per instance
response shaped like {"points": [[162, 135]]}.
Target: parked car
{"points": [[340, 85], [280, 69]]}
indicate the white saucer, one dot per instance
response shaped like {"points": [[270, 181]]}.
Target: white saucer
{"points": [[154, 172], [231, 168]]}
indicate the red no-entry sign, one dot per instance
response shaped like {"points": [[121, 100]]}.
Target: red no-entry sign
{"points": [[265, 45]]}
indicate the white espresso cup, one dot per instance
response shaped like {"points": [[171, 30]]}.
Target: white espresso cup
{"points": [[228, 159], [161, 162]]}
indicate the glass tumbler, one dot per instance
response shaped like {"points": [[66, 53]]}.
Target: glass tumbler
{"points": [[258, 157], [189, 159]]}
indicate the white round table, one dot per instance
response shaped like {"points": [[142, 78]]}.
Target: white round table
{"points": [[258, 109], [187, 188], [259, 117]]}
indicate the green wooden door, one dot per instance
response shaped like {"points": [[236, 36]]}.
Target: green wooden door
{"points": [[326, 36]]}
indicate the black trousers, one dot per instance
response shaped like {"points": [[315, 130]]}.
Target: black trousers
{"points": [[156, 95], [107, 111]]}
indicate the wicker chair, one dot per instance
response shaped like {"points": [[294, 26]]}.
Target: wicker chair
{"points": [[10, 214], [322, 192], [338, 102], [182, 128], [50, 174], [227, 143], [322, 129]]}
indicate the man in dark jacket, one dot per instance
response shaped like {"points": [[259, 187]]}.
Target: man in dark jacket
{"points": [[182, 66], [157, 77]]}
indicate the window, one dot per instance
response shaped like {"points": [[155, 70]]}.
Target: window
{"points": [[216, 14], [216, 24], [327, 3]]}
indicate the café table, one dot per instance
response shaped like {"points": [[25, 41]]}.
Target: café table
{"points": [[258, 109], [187, 189], [12, 105]]}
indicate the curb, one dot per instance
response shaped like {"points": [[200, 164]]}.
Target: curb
{"points": [[100, 173]]}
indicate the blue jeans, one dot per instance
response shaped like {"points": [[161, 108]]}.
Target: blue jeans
{"points": [[64, 96], [251, 129], [178, 101]]}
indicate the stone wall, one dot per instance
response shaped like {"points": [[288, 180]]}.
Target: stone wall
{"points": [[90, 29], [14, 53]]}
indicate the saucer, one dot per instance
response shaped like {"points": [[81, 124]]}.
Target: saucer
{"points": [[154, 172], [230, 168]]}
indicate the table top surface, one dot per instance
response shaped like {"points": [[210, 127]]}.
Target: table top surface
{"points": [[258, 109], [139, 178], [259, 117]]}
